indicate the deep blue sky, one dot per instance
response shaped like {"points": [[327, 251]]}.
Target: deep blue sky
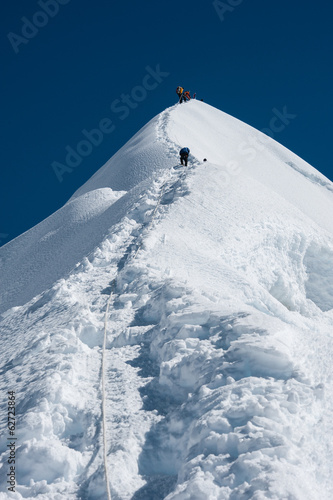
{"points": [[262, 55]]}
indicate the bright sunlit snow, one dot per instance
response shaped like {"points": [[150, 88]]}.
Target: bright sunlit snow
{"points": [[218, 362]]}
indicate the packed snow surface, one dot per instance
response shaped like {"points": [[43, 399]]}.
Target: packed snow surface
{"points": [[218, 360]]}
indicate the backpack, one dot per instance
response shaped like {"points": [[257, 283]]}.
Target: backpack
{"points": [[179, 90], [184, 151]]}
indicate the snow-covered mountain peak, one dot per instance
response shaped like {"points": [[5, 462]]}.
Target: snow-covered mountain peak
{"points": [[218, 334]]}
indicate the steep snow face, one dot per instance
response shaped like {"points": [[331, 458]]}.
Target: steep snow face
{"points": [[244, 151], [139, 159], [36, 259], [219, 333]]}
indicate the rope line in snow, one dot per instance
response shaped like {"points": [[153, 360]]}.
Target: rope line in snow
{"points": [[103, 393], [113, 285]]}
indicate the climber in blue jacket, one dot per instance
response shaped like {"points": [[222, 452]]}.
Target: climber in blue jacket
{"points": [[184, 152]]}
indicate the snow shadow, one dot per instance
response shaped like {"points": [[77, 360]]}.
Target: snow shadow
{"points": [[157, 488], [316, 179], [177, 189], [318, 261]]}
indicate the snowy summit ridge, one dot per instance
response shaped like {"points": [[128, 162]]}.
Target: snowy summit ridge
{"points": [[219, 331]]}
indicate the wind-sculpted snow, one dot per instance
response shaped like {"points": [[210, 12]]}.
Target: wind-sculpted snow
{"points": [[219, 332], [36, 259]]}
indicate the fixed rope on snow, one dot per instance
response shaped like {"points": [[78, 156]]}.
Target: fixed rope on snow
{"points": [[113, 286]]}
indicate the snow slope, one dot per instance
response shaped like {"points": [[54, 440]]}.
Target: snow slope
{"points": [[219, 329]]}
